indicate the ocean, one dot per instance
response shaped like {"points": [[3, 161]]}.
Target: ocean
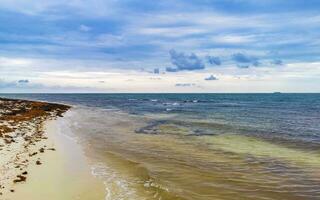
{"points": [[198, 146]]}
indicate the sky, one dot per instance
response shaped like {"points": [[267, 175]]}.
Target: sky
{"points": [[159, 46]]}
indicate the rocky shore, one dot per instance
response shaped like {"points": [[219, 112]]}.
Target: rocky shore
{"points": [[22, 139]]}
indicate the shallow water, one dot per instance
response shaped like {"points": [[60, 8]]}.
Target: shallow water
{"points": [[207, 146]]}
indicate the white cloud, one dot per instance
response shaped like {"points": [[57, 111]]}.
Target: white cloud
{"points": [[6, 62], [171, 32], [52, 9], [84, 28], [110, 40], [233, 39]]}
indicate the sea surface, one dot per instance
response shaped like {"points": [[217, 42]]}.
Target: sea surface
{"points": [[198, 146]]}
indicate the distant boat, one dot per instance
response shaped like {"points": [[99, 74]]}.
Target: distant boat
{"points": [[277, 93]]}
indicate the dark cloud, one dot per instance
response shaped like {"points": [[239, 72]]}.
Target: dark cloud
{"points": [[211, 78], [23, 81], [18, 84], [256, 63], [243, 66], [244, 61], [156, 71], [171, 69], [277, 62], [242, 58], [213, 60], [14, 84], [184, 62], [185, 84]]}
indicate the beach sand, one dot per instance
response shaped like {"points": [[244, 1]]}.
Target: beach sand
{"points": [[52, 167]]}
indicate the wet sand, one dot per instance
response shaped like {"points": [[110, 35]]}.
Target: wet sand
{"points": [[36, 160]]}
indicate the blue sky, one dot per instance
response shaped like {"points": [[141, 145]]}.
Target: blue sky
{"points": [[159, 46]]}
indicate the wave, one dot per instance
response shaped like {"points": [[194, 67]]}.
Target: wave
{"points": [[125, 179]]}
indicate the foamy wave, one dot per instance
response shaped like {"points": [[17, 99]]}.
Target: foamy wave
{"points": [[64, 129], [116, 187]]}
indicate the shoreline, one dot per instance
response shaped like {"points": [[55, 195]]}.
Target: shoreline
{"points": [[36, 160]]}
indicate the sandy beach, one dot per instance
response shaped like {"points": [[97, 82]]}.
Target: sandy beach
{"points": [[36, 160]]}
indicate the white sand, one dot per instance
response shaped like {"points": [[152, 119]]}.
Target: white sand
{"points": [[63, 175]]}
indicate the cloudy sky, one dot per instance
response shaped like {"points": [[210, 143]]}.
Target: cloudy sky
{"points": [[159, 46]]}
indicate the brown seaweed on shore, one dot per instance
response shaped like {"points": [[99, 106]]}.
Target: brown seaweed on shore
{"points": [[38, 162], [21, 124], [21, 110], [20, 178]]}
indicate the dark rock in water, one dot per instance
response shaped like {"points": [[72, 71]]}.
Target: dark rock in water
{"points": [[201, 132], [151, 128], [147, 131]]}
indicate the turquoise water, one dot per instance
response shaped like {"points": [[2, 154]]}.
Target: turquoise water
{"points": [[199, 146]]}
